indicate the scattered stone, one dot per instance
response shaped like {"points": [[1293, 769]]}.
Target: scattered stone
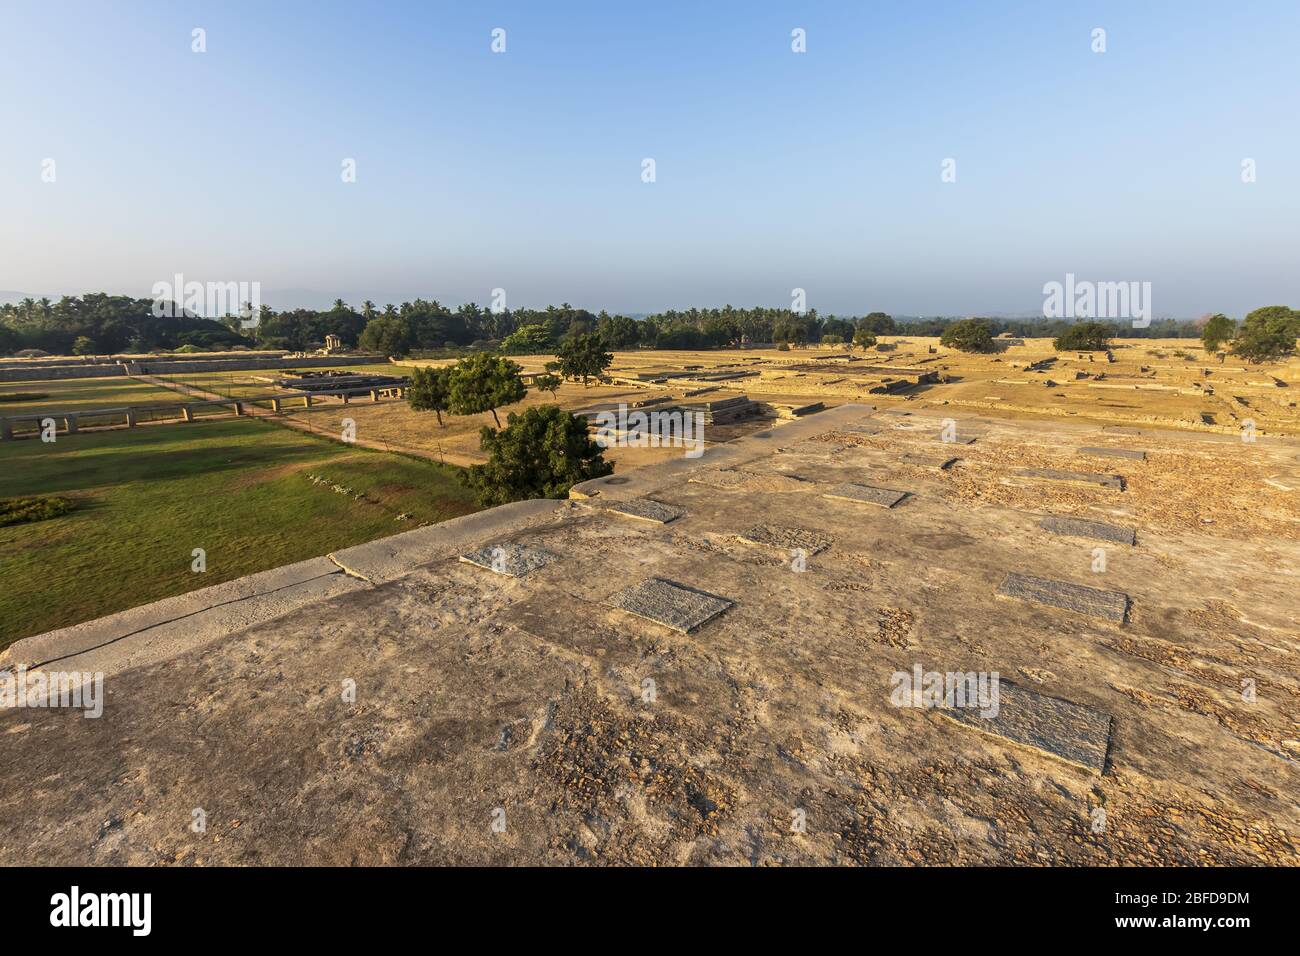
{"points": [[721, 478], [1130, 453], [514, 560], [866, 494], [941, 463], [786, 539], [1082, 477], [1058, 727], [671, 604], [1108, 605], [957, 440], [647, 509], [1082, 528]]}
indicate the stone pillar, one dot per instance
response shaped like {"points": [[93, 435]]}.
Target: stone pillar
{"points": [[346, 398], [130, 418], [71, 423], [186, 413], [239, 409], [306, 400], [275, 405], [374, 394]]}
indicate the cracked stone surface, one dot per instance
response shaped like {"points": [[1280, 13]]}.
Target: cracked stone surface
{"points": [[1062, 728], [786, 539], [866, 494], [1083, 477], [647, 509], [671, 604], [1132, 454], [511, 559], [1109, 605], [1083, 528]]}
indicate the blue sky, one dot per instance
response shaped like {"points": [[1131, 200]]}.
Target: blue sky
{"points": [[775, 170]]}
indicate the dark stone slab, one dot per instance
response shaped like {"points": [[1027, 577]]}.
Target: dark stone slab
{"points": [[514, 560], [938, 463], [1058, 727], [671, 604], [1082, 528], [1132, 454], [866, 494], [786, 539], [1081, 477], [1108, 605], [647, 509]]}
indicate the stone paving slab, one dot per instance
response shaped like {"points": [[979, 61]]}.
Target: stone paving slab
{"points": [[647, 509], [1133, 454], [866, 494], [514, 560], [1083, 528], [1058, 727], [1081, 477], [786, 539], [1109, 605], [671, 604]]}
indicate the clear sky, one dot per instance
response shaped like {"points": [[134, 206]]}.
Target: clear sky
{"points": [[774, 170]]}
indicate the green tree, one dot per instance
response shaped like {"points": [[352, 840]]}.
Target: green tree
{"points": [[83, 346], [1267, 334], [483, 383], [528, 340], [864, 338], [583, 357], [388, 335], [968, 335], [546, 382], [1218, 329], [539, 454], [430, 390], [618, 332], [878, 322], [1084, 337]]}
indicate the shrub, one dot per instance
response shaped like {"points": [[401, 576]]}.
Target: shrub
{"points": [[1084, 337], [864, 338], [20, 510], [968, 335], [23, 396], [539, 454]]}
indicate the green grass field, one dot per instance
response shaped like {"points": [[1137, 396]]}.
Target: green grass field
{"points": [[146, 497], [72, 395]]}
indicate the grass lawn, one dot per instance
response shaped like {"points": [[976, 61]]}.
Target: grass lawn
{"points": [[70, 395], [146, 497]]}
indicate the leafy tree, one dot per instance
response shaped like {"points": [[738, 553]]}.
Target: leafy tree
{"points": [[483, 383], [583, 357], [1084, 337], [864, 338], [430, 390], [539, 454], [968, 335], [832, 339], [528, 340], [879, 323], [1267, 334], [83, 346], [388, 335], [1218, 329], [546, 382]]}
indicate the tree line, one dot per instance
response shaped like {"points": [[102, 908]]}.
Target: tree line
{"points": [[97, 323]]}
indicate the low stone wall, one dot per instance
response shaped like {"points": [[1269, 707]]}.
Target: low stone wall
{"points": [[165, 366]]}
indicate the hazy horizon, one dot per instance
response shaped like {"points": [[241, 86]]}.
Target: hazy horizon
{"points": [[774, 170]]}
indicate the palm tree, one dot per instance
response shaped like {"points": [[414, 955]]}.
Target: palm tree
{"points": [[368, 310], [340, 305]]}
